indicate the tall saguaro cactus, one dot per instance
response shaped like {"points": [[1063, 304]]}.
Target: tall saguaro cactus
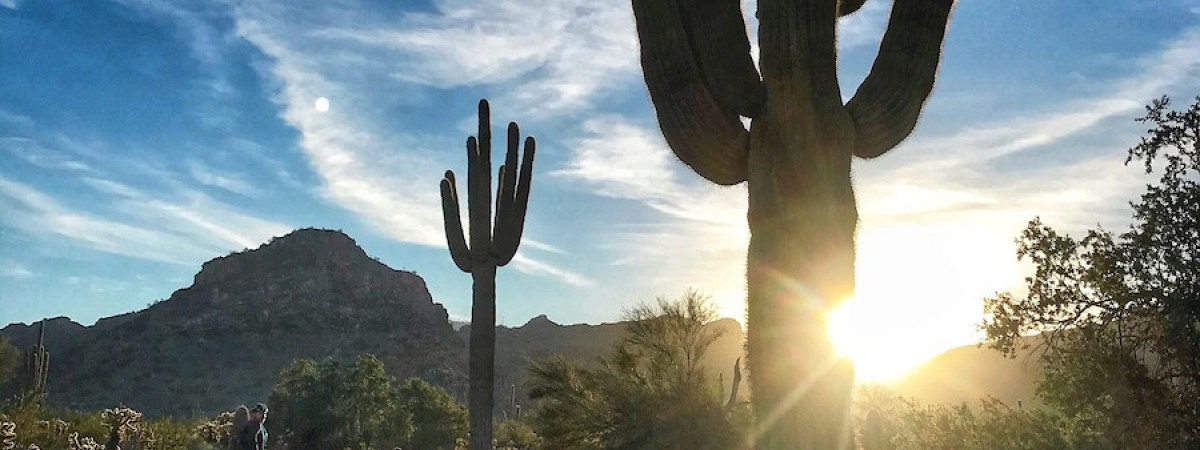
{"points": [[36, 369], [795, 159], [492, 245]]}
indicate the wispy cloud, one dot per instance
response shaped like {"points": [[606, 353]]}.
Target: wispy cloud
{"points": [[555, 57], [235, 183], [13, 269], [33, 152], [138, 225]]}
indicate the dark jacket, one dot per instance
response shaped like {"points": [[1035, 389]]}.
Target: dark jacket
{"points": [[253, 436]]}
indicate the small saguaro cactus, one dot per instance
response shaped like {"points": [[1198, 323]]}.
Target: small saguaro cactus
{"points": [[492, 245], [36, 368]]}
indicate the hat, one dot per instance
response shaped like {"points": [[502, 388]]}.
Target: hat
{"points": [[259, 408]]}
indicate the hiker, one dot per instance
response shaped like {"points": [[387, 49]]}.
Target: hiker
{"points": [[241, 417], [253, 435]]}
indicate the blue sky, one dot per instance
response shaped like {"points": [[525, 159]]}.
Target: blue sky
{"points": [[140, 138]]}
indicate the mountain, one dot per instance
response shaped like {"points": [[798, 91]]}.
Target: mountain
{"points": [[222, 341], [969, 373], [316, 294]]}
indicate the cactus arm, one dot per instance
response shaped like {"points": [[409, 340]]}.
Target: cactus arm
{"points": [[797, 39], [508, 241], [847, 7], [717, 33], [454, 231], [479, 186], [887, 104], [506, 188], [703, 135]]}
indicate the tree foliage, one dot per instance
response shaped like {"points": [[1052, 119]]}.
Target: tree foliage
{"points": [[338, 405], [1120, 314], [651, 392], [438, 420]]}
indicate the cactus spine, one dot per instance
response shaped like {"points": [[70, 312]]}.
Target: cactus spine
{"points": [[36, 369], [795, 159], [492, 245]]}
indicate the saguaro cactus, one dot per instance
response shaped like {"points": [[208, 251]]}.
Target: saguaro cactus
{"points": [[795, 158], [492, 245], [36, 369]]}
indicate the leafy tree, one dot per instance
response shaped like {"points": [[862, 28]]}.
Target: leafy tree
{"points": [[338, 405], [1120, 315], [650, 393], [438, 420]]}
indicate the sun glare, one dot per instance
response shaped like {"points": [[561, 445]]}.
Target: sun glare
{"points": [[321, 105], [919, 293]]}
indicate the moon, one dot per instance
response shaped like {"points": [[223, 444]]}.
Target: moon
{"points": [[321, 105]]}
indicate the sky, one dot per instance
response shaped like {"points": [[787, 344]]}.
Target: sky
{"points": [[141, 138]]}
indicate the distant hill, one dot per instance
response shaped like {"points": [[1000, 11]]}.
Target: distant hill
{"points": [[968, 373], [310, 294]]}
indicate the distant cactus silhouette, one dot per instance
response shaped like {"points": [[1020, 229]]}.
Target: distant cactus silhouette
{"points": [[796, 160], [737, 383], [36, 370], [491, 246]]}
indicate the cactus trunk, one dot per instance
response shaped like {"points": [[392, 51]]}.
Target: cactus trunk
{"points": [[801, 263], [482, 356]]}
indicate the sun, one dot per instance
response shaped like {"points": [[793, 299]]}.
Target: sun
{"points": [[919, 293], [321, 105]]}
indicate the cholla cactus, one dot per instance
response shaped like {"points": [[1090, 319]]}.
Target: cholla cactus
{"points": [[122, 422], [218, 429], [74, 442], [8, 435]]}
